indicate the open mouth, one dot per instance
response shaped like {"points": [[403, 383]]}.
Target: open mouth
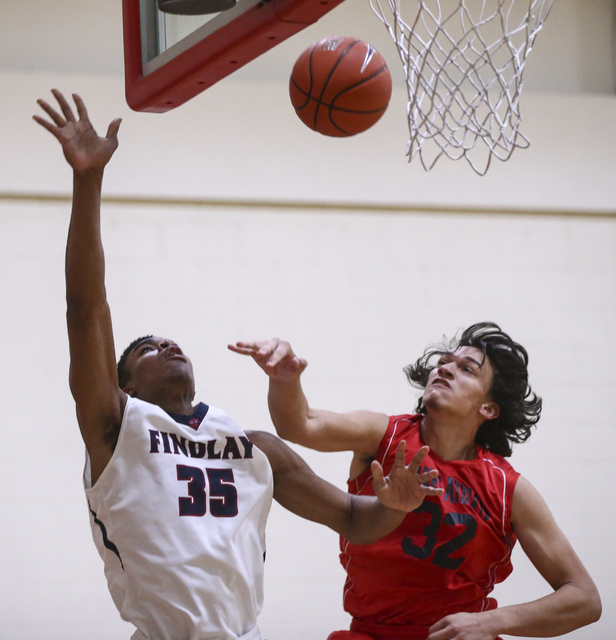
{"points": [[441, 382], [176, 356]]}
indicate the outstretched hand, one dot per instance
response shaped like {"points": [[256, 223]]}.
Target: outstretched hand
{"points": [[274, 356], [83, 149], [404, 488]]}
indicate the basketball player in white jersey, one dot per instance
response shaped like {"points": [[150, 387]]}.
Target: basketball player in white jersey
{"points": [[178, 494]]}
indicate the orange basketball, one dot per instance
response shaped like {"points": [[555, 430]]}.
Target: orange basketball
{"points": [[340, 86]]}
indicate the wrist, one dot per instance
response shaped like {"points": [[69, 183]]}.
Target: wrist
{"points": [[492, 622], [89, 174]]}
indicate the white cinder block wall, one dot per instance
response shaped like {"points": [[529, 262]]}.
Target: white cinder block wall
{"points": [[359, 290]]}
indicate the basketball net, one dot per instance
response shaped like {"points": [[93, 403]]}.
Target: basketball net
{"points": [[463, 61]]}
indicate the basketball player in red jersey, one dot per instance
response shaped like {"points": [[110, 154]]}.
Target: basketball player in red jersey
{"points": [[178, 493], [431, 578]]}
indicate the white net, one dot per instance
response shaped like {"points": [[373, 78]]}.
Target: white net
{"points": [[463, 61]]}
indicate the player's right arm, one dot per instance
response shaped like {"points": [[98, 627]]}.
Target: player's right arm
{"points": [[293, 417], [359, 519], [93, 376]]}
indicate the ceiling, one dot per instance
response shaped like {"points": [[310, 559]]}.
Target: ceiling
{"points": [[573, 53]]}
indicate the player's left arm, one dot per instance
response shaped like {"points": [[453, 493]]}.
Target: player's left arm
{"points": [[574, 603], [359, 519]]}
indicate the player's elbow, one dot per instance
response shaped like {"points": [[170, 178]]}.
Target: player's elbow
{"points": [[287, 431], [594, 608], [589, 604]]}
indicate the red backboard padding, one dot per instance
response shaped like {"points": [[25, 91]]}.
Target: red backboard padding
{"points": [[257, 30]]}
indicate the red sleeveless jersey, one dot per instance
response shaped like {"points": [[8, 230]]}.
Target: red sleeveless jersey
{"points": [[445, 557]]}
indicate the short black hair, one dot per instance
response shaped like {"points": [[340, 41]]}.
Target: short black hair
{"points": [[520, 407], [123, 375]]}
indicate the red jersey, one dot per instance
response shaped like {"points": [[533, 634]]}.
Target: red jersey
{"points": [[445, 557]]}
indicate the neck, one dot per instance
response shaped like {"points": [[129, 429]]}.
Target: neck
{"points": [[170, 402], [183, 408], [449, 440]]}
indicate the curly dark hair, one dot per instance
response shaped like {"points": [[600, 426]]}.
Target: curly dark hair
{"points": [[520, 407], [123, 374]]}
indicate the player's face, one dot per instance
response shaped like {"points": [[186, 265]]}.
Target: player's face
{"points": [[158, 361], [460, 385]]}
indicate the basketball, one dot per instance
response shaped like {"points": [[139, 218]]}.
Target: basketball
{"points": [[340, 86]]}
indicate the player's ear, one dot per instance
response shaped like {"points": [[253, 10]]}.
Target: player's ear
{"points": [[489, 410]]}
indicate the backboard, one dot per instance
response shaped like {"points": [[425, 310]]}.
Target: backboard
{"points": [[169, 58]]}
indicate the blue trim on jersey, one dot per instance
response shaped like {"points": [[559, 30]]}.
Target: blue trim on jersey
{"points": [[193, 420], [106, 540]]}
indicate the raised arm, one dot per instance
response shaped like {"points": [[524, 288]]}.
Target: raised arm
{"points": [[295, 420], [359, 519], [93, 376], [574, 603]]}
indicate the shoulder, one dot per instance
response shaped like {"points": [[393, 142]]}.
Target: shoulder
{"points": [[498, 478], [498, 463], [401, 427], [385, 433]]}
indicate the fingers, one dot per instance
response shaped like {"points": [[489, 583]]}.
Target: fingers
{"points": [[56, 118], [64, 105], [418, 458], [252, 349], [413, 466], [428, 476], [424, 478], [400, 459], [428, 490], [270, 354], [435, 628], [51, 112], [81, 107], [378, 477], [47, 125], [245, 348], [112, 130]]}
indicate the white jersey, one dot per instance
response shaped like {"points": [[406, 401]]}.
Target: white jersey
{"points": [[178, 516]]}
